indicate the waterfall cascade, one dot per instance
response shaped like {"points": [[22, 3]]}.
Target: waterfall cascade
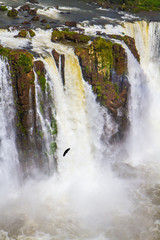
{"points": [[100, 190]]}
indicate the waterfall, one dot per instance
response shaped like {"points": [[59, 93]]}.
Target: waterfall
{"points": [[147, 41], [8, 151], [73, 124], [100, 191]]}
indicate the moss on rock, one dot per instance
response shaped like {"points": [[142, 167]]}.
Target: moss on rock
{"points": [[130, 42], [22, 33], [68, 35], [99, 61], [3, 8], [12, 13], [31, 33]]}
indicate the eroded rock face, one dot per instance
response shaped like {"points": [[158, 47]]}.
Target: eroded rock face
{"points": [[59, 57], [28, 139], [104, 66], [130, 42]]}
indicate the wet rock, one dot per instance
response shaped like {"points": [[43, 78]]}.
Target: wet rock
{"points": [[56, 7], [59, 57], [44, 21], [130, 42], [39, 67], [32, 11], [104, 67], [40, 71], [12, 13], [98, 33], [25, 7], [70, 23], [26, 23], [35, 18]]}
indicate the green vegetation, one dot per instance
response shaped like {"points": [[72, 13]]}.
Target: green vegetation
{"points": [[54, 126], [131, 5], [32, 33], [42, 80], [3, 8], [20, 58], [48, 27], [53, 148], [22, 33], [26, 62], [103, 49], [12, 13], [68, 35]]}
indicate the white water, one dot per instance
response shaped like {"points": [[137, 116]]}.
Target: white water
{"points": [[100, 192], [9, 166]]}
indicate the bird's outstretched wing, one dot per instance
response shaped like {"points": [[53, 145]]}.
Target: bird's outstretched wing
{"points": [[66, 151]]}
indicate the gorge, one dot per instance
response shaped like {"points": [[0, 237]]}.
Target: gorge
{"points": [[93, 88]]}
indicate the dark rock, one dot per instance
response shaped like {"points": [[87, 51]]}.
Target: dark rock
{"points": [[39, 67], [40, 71], [26, 23], [44, 21], [32, 11], [130, 42], [25, 7], [98, 33], [59, 57], [70, 23], [35, 18], [56, 7]]}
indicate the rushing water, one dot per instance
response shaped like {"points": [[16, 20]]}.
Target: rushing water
{"points": [[99, 191]]}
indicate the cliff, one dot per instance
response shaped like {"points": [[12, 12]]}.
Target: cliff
{"points": [[29, 137]]}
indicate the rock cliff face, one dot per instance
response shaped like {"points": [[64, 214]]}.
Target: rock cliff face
{"points": [[28, 137], [104, 66]]}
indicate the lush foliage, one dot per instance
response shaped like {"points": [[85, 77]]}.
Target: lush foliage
{"points": [[134, 5]]}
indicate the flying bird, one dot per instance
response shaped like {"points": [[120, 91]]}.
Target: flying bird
{"points": [[66, 151]]}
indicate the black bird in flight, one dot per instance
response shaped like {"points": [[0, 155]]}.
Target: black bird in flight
{"points": [[66, 151]]}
